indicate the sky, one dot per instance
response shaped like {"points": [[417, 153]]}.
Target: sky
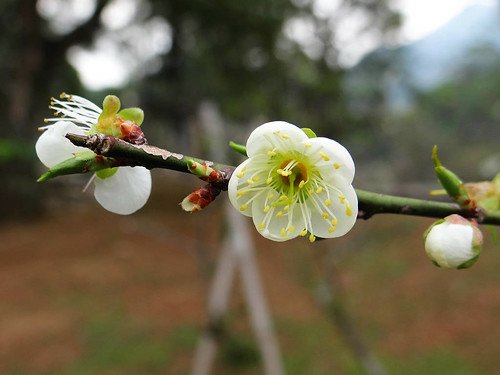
{"points": [[421, 17], [98, 69]]}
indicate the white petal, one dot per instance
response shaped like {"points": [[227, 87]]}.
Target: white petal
{"points": [[125, 192], [276, 134], [450, 245], [321, 226], [275, 223], [333, 158], [232, 189], [53, 148]]}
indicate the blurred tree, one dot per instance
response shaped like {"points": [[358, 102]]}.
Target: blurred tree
{"points": [[247, 57]]}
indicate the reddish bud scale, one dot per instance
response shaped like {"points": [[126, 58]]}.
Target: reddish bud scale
{"points": [[200, 198], [131, 132]]}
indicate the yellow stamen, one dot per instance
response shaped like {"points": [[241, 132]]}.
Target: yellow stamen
{"points": [[331, 229], [301, 184], [334, 222], [342, 199], [319, 190], [266, 209], [283, 232], [324, 156], [303, 232], [285, 136], [324, 215], [328, 203], [279, 214], [291, 229], [336, 165], [348, 210], [284, 173], [269, 180], [242, 192], [261, 226], [243, 207], [271, 153], [312, 238]]}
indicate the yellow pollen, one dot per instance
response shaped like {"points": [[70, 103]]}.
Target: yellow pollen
{"points": [[319, 190], [276, 132], [286, 208], [250, 181], [328, 203], [243, 207], [336, 165], [312, 238], [308, 144], [331, 229], [324, 215], [269, 180], [324, 156], [240, 174], [348, 210], [266, 209], [283, 198], [303, 232], [270, 195], [301, 184], [284, 173], [342, 199], [334, 222], [283, 232], [291, 229], [285, 136], [256, 178], [242, 192], [279, 214]]}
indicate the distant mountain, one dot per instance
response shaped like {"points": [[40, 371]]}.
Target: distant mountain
{"points": [[430, 60], [427, 62]]}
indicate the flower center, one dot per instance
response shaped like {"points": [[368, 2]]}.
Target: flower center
{"points": [[292, 172]]}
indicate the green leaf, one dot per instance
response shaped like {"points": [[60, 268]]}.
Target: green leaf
{"points": [[81, 163]]}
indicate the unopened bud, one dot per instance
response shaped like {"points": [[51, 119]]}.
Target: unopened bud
{"points": [[200, 198], [453, 242], [451, 183]]}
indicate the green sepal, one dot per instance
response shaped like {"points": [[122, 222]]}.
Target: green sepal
{"points": [[469, 263], [81, 163], [309, 132], [238, 148], [105, 173], [132, 114]]}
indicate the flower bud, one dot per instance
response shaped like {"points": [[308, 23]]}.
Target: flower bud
{"points": [[453, 242], [451, 183]]}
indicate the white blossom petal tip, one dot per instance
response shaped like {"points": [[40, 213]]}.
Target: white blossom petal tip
{"points": [[125, 192], [293, 185]]}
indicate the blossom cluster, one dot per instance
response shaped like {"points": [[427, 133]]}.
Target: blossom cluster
{"points": [[121, 190]]}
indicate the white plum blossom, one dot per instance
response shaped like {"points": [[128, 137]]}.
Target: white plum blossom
{"points": [[453, 242], [123, 190], [294, 185]]}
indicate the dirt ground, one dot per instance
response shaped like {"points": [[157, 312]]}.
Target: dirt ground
{"points": [[83, 291]]}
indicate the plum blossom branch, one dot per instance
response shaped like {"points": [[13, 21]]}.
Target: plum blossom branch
{"points": [[369, 203]]}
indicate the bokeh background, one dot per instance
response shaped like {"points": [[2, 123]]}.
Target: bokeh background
{"points": [[83, 291]]}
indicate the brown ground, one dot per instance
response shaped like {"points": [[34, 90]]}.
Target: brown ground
{"points": [[84, 291]]}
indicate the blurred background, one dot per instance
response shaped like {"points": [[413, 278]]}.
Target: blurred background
{"points": [[87, 292]]}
